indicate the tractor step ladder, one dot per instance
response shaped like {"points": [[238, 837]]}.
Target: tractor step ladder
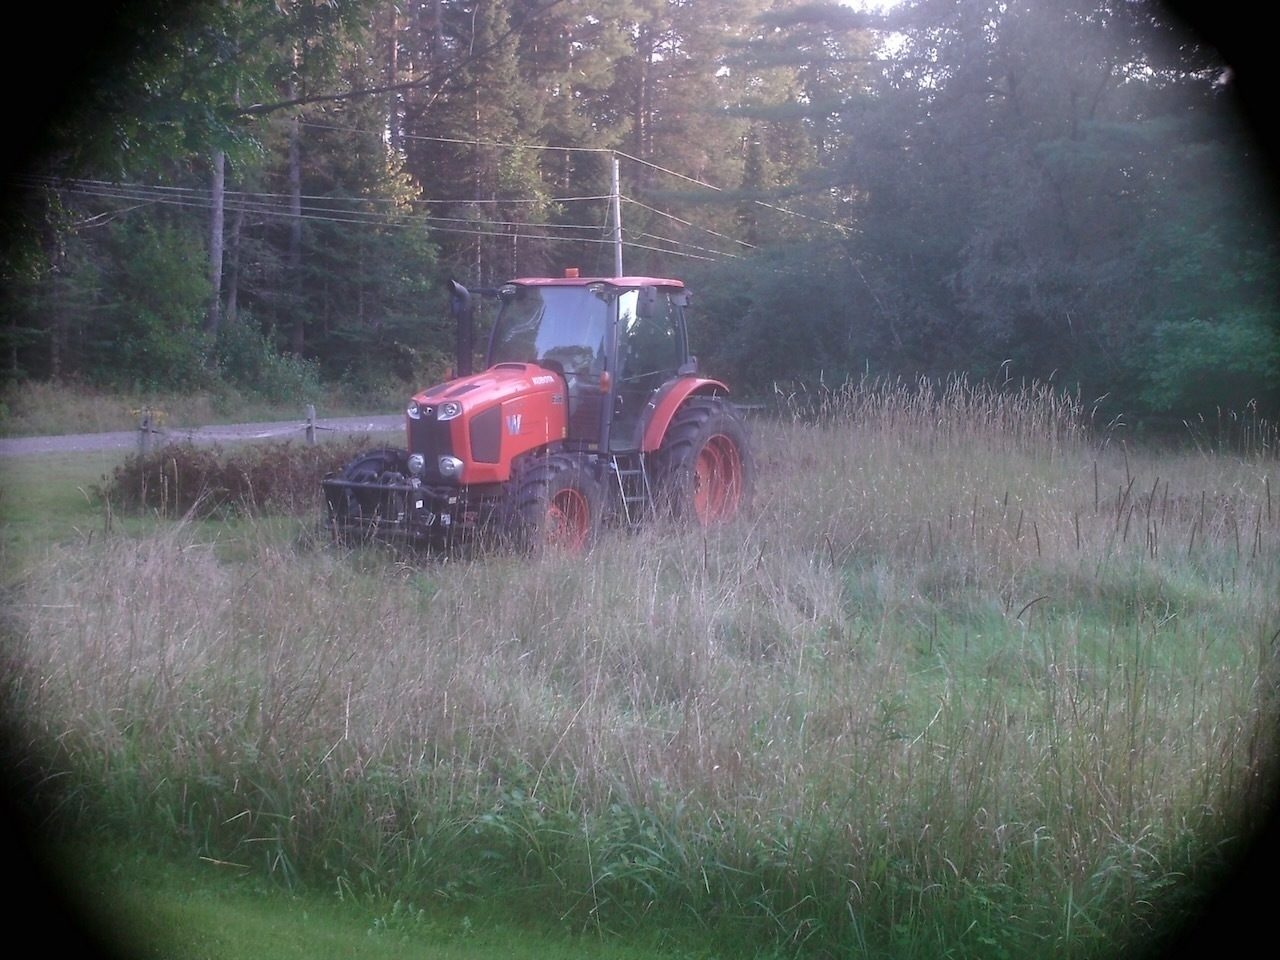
{"points": [[633, 487]]}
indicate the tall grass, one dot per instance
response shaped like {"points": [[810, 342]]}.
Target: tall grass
{"points": [[964, 682]]}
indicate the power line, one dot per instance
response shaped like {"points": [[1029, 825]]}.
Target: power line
{"points": [[314, 208], [461, 141], [201, 194], [391, 212], [686, 223], [588, 150], [459, 226]]}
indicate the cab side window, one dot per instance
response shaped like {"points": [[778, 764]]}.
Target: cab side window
{"points": [[648, 336]]}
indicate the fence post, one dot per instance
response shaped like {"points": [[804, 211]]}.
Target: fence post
{"points": [[144, 433], [311, 424]]}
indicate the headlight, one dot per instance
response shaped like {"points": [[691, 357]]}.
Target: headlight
{"points": [[449, 466], [416, 463], [448, 410], [414, 411]]}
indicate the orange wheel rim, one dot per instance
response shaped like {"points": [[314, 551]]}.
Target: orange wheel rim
{"points": [[568, 521], [717, 480]]}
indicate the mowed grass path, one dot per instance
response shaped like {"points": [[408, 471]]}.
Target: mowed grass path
{"points": [[137, 905], [968, 680]]}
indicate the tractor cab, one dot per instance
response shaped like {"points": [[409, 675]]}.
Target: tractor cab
{"points": [[616, 342]]}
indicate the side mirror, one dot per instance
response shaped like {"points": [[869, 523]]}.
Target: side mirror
{"points": [[647, 303]]}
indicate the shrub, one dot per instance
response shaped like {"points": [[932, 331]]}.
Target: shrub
{"points": [[1195, 366], [181, 479], [249, 361]]}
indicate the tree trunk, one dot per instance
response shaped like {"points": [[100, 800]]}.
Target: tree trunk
{"points": [[294, 262], [57, 334], [217, 210], [57, 321], [233, 268], [395, 115], [643, 116], [644, 51]]}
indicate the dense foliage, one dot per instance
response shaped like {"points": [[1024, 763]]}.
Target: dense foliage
{"points": [[1049, 189]]}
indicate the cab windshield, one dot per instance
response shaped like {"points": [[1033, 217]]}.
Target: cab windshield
{"points": [[553, 326]]}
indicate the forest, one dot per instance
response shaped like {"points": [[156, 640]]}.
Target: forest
{"points": [[271, 194]]}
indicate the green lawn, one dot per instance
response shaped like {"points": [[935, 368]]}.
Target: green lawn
{"points": [[47, 498], [197, 909]]}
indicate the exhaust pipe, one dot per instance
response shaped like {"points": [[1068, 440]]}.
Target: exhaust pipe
{"points": [[460, 307]]}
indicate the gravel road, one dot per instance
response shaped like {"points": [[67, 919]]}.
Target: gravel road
{"points": [[224, 433]]}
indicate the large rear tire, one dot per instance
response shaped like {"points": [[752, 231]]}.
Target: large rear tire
{"points": [[704, 469], [556, 507]]}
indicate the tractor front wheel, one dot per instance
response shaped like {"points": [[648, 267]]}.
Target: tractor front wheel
{"points": [[705, 471], [557, 506], [354, 512]]}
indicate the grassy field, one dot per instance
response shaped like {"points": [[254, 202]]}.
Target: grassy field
{"points": [[968, 681]]}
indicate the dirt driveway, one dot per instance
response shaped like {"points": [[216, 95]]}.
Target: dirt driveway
{"points": [[224, 433]]}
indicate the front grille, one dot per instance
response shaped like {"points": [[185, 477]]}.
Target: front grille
{"points": [[429, 437], [486, 435]]}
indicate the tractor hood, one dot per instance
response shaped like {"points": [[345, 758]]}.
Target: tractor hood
{"points": [[488, 418], [499, 383]]}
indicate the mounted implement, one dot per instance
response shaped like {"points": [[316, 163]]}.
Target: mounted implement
{"points": [[589, 411]]}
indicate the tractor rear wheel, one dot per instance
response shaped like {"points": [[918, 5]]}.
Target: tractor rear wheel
{"points": [[556, 508], [705, 472]]}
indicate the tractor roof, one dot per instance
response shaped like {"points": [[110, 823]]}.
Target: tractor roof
{"points": [[583, 281]]}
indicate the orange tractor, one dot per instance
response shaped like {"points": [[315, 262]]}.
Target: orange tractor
{"points": [[590, 411]]}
